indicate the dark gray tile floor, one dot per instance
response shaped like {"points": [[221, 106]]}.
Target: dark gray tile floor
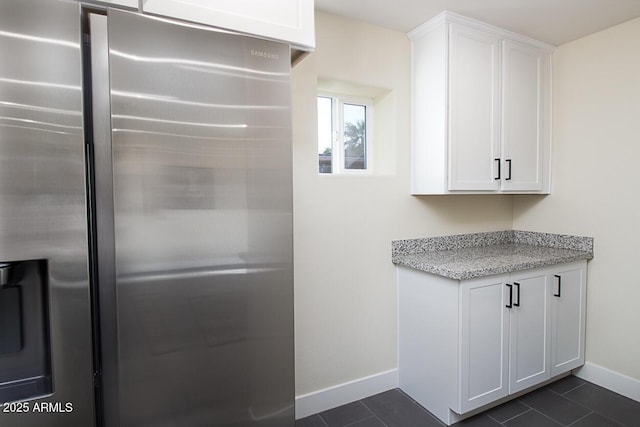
{"points": [[566, 402]]}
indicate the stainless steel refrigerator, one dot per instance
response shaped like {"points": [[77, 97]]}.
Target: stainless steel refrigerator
{"points": [[146, 274]]}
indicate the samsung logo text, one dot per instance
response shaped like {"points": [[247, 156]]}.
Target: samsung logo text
{"points": [[263, 54]]}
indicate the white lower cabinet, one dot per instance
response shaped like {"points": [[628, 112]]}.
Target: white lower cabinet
{"points": [[465, 345], [568, 318]]}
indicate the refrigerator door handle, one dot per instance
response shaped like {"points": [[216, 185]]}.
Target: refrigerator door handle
{"points": [[5, 269], [101, 189]]}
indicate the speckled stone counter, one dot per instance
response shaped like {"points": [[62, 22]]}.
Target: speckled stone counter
{"points": [[466, 256]]}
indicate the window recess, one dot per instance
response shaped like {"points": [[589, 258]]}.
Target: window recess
{"points": [[345, 137]]}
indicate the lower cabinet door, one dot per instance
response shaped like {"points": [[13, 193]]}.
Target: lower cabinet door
{"points": [[484, 349], [568, 312], [529, 328]]}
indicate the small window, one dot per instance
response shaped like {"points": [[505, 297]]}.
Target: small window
{"points": [[344, 134]]}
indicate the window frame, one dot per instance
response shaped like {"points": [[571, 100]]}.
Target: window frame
{"points": [[337, 123]]}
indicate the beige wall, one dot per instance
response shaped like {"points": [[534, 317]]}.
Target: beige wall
{"points": [[345, 287], [596, 184], [344, 281]]}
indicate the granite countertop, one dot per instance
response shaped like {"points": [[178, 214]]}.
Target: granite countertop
{"points": [[467, 256]]}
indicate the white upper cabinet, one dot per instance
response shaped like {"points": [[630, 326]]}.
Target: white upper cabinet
{"points": [[286, 20], [132, 4], [481, 109], [129, 3]]}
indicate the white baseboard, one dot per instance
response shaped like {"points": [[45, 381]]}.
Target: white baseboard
{"points": [[614, 381], [332, 397]]}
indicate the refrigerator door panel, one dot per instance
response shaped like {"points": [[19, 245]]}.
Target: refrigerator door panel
{"points": [[203, 225], [43, 213]]}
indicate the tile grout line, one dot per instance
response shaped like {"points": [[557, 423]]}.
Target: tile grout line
{"points": [[323, 421], [548, 417], [525, 404], [367, 418], [581, 418], [569, 400], [582, 405], [422, 408], [568, 391], [593, 410], [613, 420], [373, 413], [529, 409], [573, 401], [494, 419], [573, 389]]}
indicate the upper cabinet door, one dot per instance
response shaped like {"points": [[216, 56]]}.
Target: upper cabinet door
{"points": [[474, 109], [522, 116], [286, 20]]}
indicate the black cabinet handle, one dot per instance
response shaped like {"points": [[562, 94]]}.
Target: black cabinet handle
{"points": [[509, 175], [498, 160], [510, 296], [517, 285], [559, 285]]}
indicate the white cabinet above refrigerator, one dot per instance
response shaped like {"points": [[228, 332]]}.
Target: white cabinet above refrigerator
{"points": [[285, 20]]}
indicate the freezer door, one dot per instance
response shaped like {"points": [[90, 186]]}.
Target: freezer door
{"points": [[203, 226], [46, 361]]}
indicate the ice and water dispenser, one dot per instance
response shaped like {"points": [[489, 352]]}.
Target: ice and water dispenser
{"points": [[25, 352]]}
